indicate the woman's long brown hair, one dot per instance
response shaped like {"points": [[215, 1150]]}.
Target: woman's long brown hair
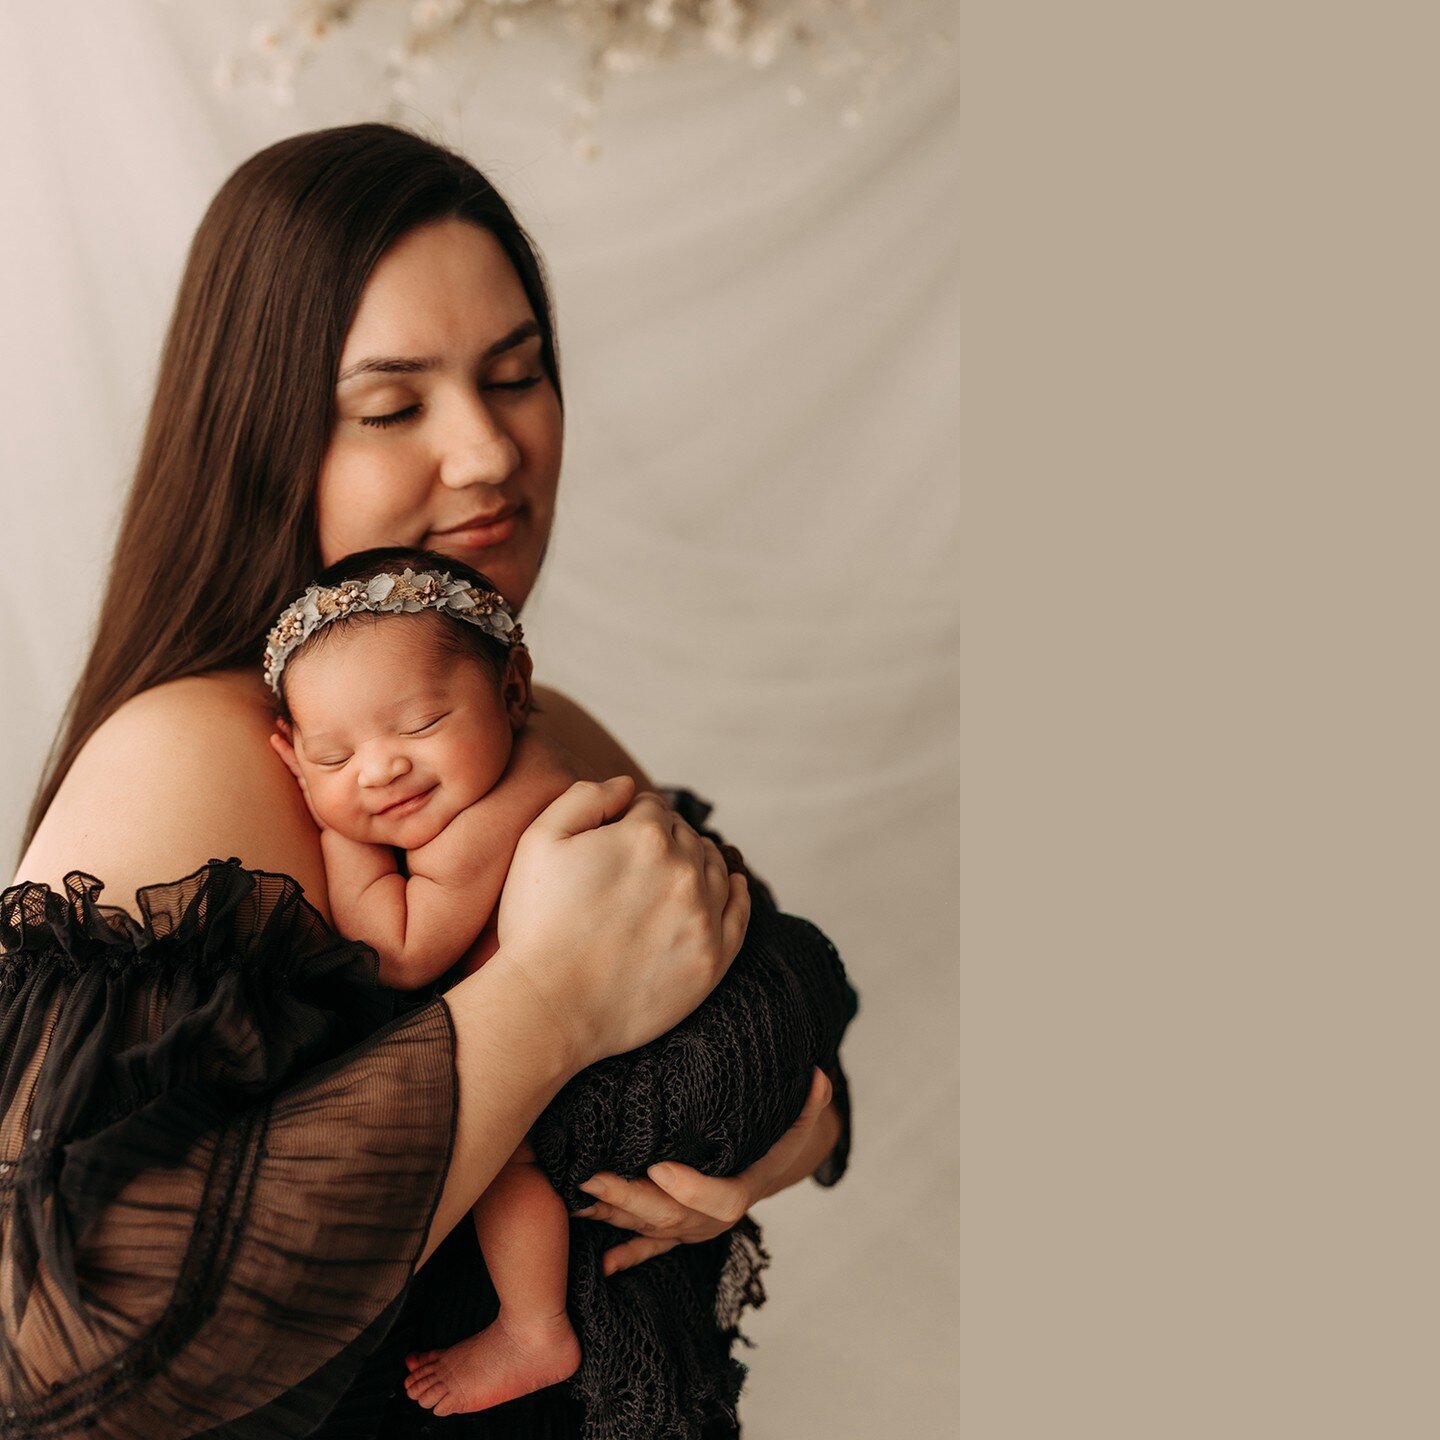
{"points": [[219, 528]]}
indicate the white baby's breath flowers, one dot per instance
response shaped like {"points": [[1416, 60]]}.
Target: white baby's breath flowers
{"points": [[843, 42]]}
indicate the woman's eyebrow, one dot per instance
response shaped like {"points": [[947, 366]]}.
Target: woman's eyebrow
{"points": [[419, 364]]}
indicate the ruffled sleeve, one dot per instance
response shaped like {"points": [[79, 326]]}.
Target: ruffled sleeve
{"points": [[220, 1153]]}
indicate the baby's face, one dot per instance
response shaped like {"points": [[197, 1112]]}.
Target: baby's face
{"points": [[393, 736]]}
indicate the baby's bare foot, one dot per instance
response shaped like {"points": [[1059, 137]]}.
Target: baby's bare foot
{"points": [[502, 1362]]}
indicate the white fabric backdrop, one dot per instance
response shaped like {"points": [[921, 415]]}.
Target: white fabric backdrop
{"points": [[752, 577]]}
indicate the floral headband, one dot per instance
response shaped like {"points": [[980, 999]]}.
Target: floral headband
{"points": [[388, 594]]}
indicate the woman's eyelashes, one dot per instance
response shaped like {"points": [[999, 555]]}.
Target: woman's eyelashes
{"points": [[397, 417], [381, 421]]}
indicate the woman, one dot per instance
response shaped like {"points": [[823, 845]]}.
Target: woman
{"points": [[361, 354]]}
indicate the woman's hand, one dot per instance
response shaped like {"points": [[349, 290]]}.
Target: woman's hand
{"points": [[678, 1205], [621, 922]]}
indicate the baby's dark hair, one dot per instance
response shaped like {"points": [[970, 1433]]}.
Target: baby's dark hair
{"points": [[453, 637]]}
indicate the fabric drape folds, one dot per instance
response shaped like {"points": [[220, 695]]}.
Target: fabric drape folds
{"points": [[219, 1156]]}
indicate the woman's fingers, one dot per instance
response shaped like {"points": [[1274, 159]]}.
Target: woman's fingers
{"points": [[632, 1252], [633, 1205], [725, 1198], [586, 805], [647, 805], [735, 918], [622, 918], [821, 1090], [675, 1202], [717, 875]]}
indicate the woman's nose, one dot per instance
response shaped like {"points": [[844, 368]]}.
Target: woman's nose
{"points": [[477, 449], [377, 770]]}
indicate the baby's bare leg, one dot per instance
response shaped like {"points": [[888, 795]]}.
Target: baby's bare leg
{"points": [[524, 1235]]}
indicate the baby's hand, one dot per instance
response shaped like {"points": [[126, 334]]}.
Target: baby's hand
{"points": [[281, 744]]}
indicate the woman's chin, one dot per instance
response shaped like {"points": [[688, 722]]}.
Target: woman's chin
{"points": [[511, 568]]}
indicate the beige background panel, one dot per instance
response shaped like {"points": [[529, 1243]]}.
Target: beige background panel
{"points": [[1199, 855]]}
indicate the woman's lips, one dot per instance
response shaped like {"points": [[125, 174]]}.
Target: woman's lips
{"points": [[480, 535]]}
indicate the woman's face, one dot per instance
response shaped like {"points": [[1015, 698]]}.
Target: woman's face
{"points": [[447, 428]]}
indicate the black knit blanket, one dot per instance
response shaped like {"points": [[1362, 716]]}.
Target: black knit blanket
{"points": [[716, 1093]]}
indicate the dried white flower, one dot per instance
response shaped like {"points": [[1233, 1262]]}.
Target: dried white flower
{"points": [[622, 61], [843, 42], [765, 46]]}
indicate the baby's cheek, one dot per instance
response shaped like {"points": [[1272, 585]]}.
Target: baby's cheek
{"points": [[323, 799]]}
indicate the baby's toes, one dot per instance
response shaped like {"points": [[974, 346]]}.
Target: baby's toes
{"points": [[431, 1392], [448, 1403]]}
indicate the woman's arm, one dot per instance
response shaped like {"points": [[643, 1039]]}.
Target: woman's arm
{"points": [[581, 882], [703, 1199], [679, 1204], [610, 933]]}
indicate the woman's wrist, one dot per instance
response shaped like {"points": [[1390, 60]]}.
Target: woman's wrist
{"points": [[516, 1022], [509, 1065]]}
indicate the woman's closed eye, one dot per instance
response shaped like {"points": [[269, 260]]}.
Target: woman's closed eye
{"points": [[398, 417], [381, 421]]}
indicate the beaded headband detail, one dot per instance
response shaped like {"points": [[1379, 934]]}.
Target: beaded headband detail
{"points": [[388, 594]]}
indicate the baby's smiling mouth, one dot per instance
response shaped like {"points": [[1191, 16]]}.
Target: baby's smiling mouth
{"points": [[408, 800]]}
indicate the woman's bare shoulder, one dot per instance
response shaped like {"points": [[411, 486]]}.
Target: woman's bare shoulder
{"points": [[180, 774], [574, 727]]}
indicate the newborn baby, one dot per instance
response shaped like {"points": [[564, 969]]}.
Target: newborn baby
{"points": [[406, 731], [403, 696]]}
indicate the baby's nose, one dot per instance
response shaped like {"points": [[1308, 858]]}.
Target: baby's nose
{"points": [[382, 769]]}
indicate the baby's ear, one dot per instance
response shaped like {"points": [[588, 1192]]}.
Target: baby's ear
{"points": [[516, 688], [282, 745]]}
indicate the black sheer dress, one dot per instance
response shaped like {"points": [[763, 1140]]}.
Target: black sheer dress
{"points": [[221, 1146]]}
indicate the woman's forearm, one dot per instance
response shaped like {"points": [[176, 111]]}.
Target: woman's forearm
{"points": [[509, 1066]]}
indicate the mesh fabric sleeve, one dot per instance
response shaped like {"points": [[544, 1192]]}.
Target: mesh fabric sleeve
{"points": [[220, 1153]]}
